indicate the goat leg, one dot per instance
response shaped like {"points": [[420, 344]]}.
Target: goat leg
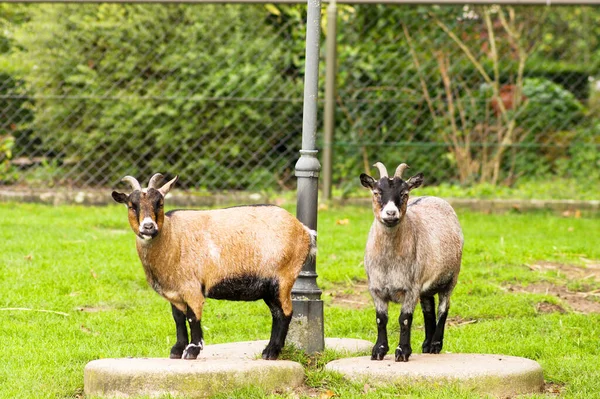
{"points": [[438, 337], [404, 350], [182, 334], [428, 307], [197, 342], [381, 346], [279, 329]]}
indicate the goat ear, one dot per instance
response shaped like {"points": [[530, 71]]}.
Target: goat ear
{"points": [[168, 186], [120, 197], [367, 181], [415, 181]]}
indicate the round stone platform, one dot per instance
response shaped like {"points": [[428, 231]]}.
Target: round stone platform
{"points": [[497, 375], [219, 368], [193, 378], [253, 349]]}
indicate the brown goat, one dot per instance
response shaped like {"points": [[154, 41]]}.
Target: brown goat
{"points": [[242, 254]]}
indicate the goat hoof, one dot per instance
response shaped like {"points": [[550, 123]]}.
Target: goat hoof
{"points": [[379, 351], [436, 347], [271, 353], [402, 354], [191, 351], [177, 351], [426, 347]]}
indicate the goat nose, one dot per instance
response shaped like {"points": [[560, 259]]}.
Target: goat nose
{"points": [[148, 226], [391, 212]]}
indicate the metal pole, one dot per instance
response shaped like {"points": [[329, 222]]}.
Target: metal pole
{"points": [[306, 330], [330, 85]]}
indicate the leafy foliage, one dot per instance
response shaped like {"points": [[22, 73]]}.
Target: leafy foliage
{"points": [[97, 91], [138, 81]]}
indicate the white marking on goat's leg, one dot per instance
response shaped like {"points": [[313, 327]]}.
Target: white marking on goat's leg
{"points": [[444, 304], [196, 340], [438, 337], [182, 335], [381, 346], [404, 349], [199, 345]]}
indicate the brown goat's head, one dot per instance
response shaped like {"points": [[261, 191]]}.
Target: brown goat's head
{"points": [[146, 206], [390, 195]]}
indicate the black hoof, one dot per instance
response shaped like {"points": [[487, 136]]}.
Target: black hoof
{"points": [[403, 353], [426, 347], [379, 351], [177, 351], [271, 353], [192, 351], [436, 347]]}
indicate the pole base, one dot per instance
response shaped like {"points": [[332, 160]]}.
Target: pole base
{"points": [[306, 328]]}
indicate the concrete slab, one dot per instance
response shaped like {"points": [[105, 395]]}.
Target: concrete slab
{"points": [[193, 378], [219, 368], [497, 375], [253, 349], [348, 345]]}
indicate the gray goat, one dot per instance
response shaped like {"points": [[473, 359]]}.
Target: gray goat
{"points": [[413, 252]]}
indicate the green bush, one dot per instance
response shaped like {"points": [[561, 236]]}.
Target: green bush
{"points": [[113, 89], [139, 86], [582, 159], [551, 116]]}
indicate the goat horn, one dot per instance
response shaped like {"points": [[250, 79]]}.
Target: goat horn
{"points": [[133, 181], [155, 180], [382, 170], [400, 169]]}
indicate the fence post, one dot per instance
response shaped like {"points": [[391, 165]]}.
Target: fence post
{"points": [[306, 330], [330, 91]]}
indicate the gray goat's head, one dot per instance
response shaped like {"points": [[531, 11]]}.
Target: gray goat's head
{"points": [[146, 206], [390, 194]]}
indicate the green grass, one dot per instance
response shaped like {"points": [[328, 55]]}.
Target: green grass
{"points": [[63, 259]]}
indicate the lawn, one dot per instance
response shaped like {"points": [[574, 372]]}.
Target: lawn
{"points": [[76, 270]]}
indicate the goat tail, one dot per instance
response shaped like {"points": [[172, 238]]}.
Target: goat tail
{"points": [[312, 253]]}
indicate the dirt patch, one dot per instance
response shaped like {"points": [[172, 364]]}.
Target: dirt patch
{"points": [[547, 307], [355, 296], [94, 309], [584, 302], [551, 388], [589, 272], [457, 321], [586, 298]]}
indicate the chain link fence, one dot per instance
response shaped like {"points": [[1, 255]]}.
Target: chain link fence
{"points": [[213, 92], [469, 94]]}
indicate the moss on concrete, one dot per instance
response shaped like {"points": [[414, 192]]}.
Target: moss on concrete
{"points": [[201, 379]]}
